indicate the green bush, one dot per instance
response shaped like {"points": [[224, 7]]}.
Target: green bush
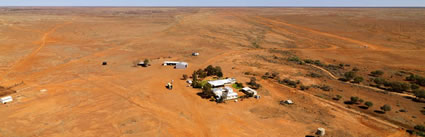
{"points": [[318, 63], [377, 73], [354, 99], [420, 80], [358, 79], [337, 97], [237, 85], [414, 86], [302, 87], [398, 86], [325, 88], [349, 75], [379, 81], [368, 104], [386, 108], [314, 75], [420, 128], [419, 93], [309, 61], [253, 83]]}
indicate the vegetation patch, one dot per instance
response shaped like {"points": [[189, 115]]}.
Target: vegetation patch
{"points": [[6, 91]]}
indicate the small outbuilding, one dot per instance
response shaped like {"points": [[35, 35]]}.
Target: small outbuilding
{"points": [[6, 99], [178, 65], [248, 91], [181, 65], [195, 54]]}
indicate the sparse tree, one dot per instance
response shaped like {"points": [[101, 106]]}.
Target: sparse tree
{"points": [[210, 70], [337, 97], [419, 93], [349, 75], [358, 79], [207, 90], [386, 108], [302, 87], [220, 74], [354, 100], [275, 75], [185, 77], [420, 128], [368, 104], [377, 73], [414, 86], [379, 81]]}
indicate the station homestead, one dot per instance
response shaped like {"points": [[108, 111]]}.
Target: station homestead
{"points": [[76, 71]]}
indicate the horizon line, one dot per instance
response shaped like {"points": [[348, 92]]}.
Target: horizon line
{"points": [[230, 6]]}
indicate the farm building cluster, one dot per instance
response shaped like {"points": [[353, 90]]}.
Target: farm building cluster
{"points": [[222, 90]]}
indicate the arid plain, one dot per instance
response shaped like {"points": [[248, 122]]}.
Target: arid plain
{"points": [[61, 50]]}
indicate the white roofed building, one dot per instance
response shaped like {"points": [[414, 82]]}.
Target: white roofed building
{"points": [[221, 82], [225, 92], [248, 91], [177, 64]]}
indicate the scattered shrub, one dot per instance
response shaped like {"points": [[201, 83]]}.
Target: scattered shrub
{"points": [[349, 75], [302, 87], [185, 76], [419, 93], [414, 86], [309, 61], [377, 73], [379, 81], [368, 104], [386, 108], [355, 69], [289, 82], [358, 79], [337, 97], [420, 80], [314, 75], [354, 100], [398, 86], [253, 83], [420, 128], [274, 75], [295, 59], [318, 63], [325, 88]]}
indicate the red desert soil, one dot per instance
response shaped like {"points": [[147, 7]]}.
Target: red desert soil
{"points": [[62, 49]]}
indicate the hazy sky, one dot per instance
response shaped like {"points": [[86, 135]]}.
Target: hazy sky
{"points": [[366, 3]]}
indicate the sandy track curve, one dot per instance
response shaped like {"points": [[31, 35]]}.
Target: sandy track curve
{"points": [[361, 43], [20, 63]]}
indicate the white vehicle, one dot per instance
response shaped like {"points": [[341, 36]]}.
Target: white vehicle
{"points": [[6, 99]]}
